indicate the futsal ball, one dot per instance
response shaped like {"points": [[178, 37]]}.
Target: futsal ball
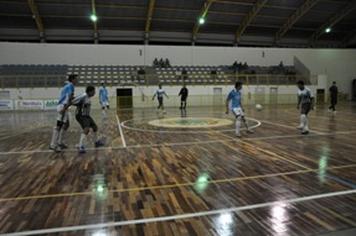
{"points": [[259, 107]]}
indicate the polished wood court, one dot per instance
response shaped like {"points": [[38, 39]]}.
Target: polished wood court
{"points": [[157, 181]]}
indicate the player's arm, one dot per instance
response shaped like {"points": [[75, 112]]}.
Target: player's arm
{"points": [[180, 92], [299, 101], [69, 103], [78, 99], [165, 95], [227, 104], [154, 95]]}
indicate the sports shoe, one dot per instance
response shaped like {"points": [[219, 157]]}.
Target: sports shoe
{"points": [[55, 148], [238, 135], [250, 131], [305, 132], [81, 149], [300, 127], [63, 146], [99, 143]]}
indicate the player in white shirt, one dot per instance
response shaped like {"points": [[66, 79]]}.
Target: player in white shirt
{"points": [[305, 104], [160, 93], [82, 115]]}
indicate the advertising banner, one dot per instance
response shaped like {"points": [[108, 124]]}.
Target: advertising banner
{"points": [[29, 104], [6, 105]]}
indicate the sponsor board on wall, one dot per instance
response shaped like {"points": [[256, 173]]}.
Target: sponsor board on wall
{"points": [[29, 104], [6, 105], [50, 104]]}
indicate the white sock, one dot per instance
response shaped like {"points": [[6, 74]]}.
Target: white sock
{"points": [[54, 137], [238, 125], [82, 140], [301, 125], [304, 122], [60, 136]]}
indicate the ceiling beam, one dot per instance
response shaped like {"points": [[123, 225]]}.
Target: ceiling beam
{"points": [[36, 16], [203, 12], [351, 6], [292, 19], [150, 10], [249, 18], [95, 24]]}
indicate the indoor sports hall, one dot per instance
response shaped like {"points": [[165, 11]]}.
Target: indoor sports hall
{"points": [[173, 117]]}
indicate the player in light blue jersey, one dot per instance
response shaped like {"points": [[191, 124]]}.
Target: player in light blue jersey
{"points": [[64, 102], [159, 93], [234, 104], [104, 99]]}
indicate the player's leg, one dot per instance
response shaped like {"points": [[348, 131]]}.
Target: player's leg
{"points": [[97, 142], [304, 117], [301, 119], [57, 129], [248, 130], [62, 135], [159, 102], [333, 105], [238, 119], [85, 124], [55, 135], [185, 103]]}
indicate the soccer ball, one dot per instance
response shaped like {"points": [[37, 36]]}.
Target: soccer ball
{"points": [[259, 107]]}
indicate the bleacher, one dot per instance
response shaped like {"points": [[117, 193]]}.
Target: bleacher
{"points": [[192, 75], [109, 74], [22, 76]]}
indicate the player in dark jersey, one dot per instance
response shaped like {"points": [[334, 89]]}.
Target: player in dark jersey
{"points": [[82, 115], [183, 97], [333, 97]]}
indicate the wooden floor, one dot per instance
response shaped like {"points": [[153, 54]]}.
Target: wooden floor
{"points": [[158, 181]]}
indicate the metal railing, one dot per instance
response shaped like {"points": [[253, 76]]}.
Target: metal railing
{"points": [[44, 81]]}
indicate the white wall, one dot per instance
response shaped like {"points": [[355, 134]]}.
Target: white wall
{"points": [[336, 64], [198, 95]]}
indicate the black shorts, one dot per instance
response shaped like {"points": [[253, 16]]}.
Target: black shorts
{"points": [[160, 101], [183, 99], [86, 122], [333, 100], [306, 107]]}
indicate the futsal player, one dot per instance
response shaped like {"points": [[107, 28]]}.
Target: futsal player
{"points": [[333, 97], [104, 99], [65, 99], [305, 104], [234, 103], [82, 115], [160, 93], [183, 97]]}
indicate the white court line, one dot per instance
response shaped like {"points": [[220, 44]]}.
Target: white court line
{"points": [[121, 133], [184, 143], [180, 216], [123, 124], [291, 127]]}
